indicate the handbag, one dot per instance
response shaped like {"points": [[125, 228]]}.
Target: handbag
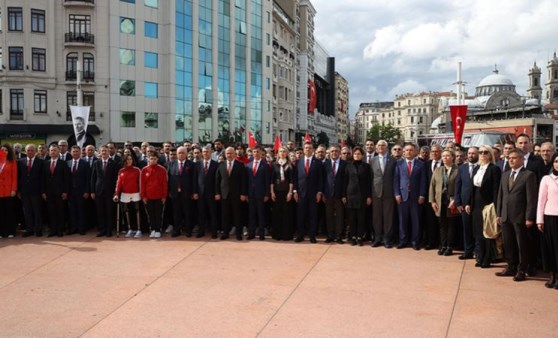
{"points": [[491, 228]]}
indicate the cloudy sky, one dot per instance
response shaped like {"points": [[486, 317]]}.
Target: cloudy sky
{"points": [[390, 47]]}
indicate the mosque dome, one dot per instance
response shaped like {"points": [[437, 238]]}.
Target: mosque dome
{"points": [[494, 83]]}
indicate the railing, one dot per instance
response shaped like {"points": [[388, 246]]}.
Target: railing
{"points": [[80, 37], [71, 75], [87, 1], [69, 116], [16, 115]]}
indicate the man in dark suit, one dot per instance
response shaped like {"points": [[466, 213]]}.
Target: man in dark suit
{"points": [[383, 202], [103, 184], [231, 190], [181, 175], [308, 188], [503, 163], [90, 208], [64, 154], [462, 197], [409, 188], [259, 179], [429, 221], [334, 172], [56, 186], [516, 209], [80, 185], [30, 185], [113, 155], [204, 193]]}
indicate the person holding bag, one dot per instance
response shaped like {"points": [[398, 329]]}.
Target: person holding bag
{"points": [[547, 222]]}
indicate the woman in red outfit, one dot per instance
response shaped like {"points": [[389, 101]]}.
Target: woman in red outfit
{"points": [[128, 193], [154, 192], [8, 189]]}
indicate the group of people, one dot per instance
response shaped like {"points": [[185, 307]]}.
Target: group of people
{"points": [[489, 201]]}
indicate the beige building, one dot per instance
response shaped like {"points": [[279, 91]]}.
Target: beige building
{"points": [[413, 114], [369, 114], [342, 108]]}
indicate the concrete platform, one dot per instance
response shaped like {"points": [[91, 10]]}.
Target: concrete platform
{"points": [[85, 286]]}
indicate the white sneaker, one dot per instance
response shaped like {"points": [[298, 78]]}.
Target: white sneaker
{"points": [[129, 234], [157, 235], [152, 234], [11, 236], [170, 228], [138, 234]]}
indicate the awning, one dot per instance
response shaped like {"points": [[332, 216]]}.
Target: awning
{"points": [[44, 128]]}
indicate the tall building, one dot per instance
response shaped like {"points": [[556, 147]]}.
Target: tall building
{"points": [[552, 81], [153, 70], [368, 115], [342, 108], [534, 91], [323, 89], [413, 114]]}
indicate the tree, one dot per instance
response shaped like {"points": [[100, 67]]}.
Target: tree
{"points": [[384, 132], [323, 139]]}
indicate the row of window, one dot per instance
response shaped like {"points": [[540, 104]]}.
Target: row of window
{"points": [[17, 99], [128, 88], [16, 59], [15, 20], [128, 119], [128, 26], [148, 3], [128, 57]]}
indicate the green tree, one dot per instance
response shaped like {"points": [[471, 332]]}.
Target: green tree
{"points": [[384, 132]]}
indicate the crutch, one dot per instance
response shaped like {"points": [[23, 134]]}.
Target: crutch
{"points": [[118, 219], [162, 214]]}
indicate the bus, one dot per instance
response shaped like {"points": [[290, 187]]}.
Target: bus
{"points": [[470, 139]]}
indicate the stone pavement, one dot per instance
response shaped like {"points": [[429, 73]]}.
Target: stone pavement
{"points": [[109, 287]]}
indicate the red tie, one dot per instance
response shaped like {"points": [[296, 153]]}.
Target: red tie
{"points": [[74, 168], [180, 167], [333, 168], [307, 166], [205, 168], [409, 167], [255, 168], [52, 166], [29, 165]]}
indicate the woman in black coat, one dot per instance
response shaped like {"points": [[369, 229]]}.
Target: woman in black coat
{"points": [[281, 195], [357, 195], [486, 183]]}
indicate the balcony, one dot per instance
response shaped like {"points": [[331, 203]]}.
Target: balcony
{"points": [[16, 115], [91, 116], [79, 3], [79, 39], [88, 76]]}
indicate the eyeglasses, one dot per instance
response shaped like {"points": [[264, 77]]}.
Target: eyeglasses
{"points": [[345, 153], [397, 149], [484, 152]]}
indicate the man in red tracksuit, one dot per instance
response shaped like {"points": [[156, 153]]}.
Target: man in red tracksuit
{"points": [[154, 191]]}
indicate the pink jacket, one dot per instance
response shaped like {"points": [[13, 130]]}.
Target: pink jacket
{"points": [[548, 197]]}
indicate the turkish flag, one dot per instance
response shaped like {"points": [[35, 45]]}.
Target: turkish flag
{"points": [[458, 117], [251, 140], [343, 143], [277, 144], [307, 138]]}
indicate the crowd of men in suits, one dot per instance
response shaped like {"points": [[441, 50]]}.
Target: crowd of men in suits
{"points": [[230, 191]]}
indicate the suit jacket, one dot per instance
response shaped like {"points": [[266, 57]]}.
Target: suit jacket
{"points": [[184, 181], [333, 185], [311, 184], [357, 186], [258, 185], [520, 203], [430, 173], [204, 183], [103, 184], [503, 165], [437, 186], [81, 179], [463, 186], [490, 184], [233, 185], [65, 157], [382, 183], [30, 183], [57, 183], [536, 165], [409, 186]]}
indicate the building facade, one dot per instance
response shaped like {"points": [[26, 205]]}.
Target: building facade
{"points": [[342, 108], [368, 115]]}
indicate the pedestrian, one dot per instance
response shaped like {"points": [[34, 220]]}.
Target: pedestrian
{"points": [[154, 191], [127, 193], [8, 191], [547, 222]]}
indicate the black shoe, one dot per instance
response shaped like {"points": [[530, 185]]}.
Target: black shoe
{"points": [[329, 240], [507, 272], [27, 234], [416, 247], [478, 264], [200, 235], [313, 240], [340, 241], [100, 234], [224, 236], [109, 234], [551, 282], [39, 234], [82, 233], [448, 252], [485, 265], [250, 237], [188, 234], [376, 244], [299, 239], [519, 276], [175, 234], [401, 246], [359, 242], [441, 251], [213, 236], [238, 237], [262, 237], [353, 242], [429, 247], [52, 234], [388, 246], [531, 271], [466, 256]]}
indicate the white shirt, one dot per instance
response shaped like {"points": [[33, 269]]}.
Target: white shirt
{"points": [[477, 179]]}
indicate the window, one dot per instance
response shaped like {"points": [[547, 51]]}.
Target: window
{"points": [[127, 119], [80, 24], [150, 90], [129, 1], [1, 59], [71, 66], [40, 101], [38, 56], [152, 3], [16, 102], [16, 58], [151, 120], [127, 57], [242, 27], [128, 88], [88, 67], [127, 25], [151, 30], [15, 19], [37, 20], [150, 60]]}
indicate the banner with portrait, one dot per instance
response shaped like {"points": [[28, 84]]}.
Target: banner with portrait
{"points": [[80, 120]]}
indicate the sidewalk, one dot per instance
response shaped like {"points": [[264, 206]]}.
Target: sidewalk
{"points": [[82, 285]]}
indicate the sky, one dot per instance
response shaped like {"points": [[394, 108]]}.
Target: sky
{"points": [[391, 47]]}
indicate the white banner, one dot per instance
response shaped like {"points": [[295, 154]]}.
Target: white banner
{"points": [[80, 119]]}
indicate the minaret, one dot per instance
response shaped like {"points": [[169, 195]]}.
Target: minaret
{"points": [[552, 83], [535, 90]]}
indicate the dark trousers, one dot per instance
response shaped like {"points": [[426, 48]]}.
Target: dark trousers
{"points": [[76, 207], [430, 226], [182, 214], [32, 211], [307, 208], [468, 239], [56, 215], [448, 225], [207, 214], [8, 212], [409, 227], [517, 245], [154, 210], [358, 222], [105, 213], [282, 227], [231, 214], [90, 213], [383, 219], [335, 217], [256, 207]]}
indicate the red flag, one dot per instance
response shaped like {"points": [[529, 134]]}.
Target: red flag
{"points": [[251, 140], [458, 117], [307, 138], [277, 144], [343, 143]]}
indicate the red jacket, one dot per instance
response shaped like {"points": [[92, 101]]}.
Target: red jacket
{"points": [[154, 182], [128, 181], [8, 178]]}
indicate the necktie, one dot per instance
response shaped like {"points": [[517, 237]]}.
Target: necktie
{"points": [[229, 168], [29, 165], [89, 161], [511, 180], [506, 166], [255, 168], [382, 163], [307, 166], [52, 166], [74, 168], [205, 167], [409, 167], [369, 158], [180, 167], [333, 168], [435, 166], [104, 165], [471, 167]]}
